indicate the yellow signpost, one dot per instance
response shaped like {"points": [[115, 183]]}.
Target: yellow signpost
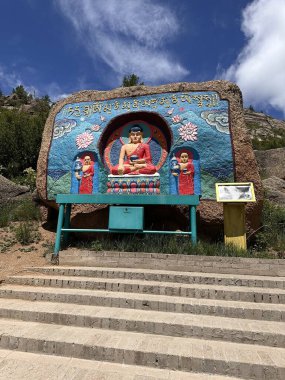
{"points": [[234, 196]]}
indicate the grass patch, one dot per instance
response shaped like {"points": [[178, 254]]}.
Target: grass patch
{"points": [[168, 244], [18, 211], [4, 216], [271, 235], [25, 210]]}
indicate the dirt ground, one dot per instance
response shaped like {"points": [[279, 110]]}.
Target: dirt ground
{"points": [[15, 257]]}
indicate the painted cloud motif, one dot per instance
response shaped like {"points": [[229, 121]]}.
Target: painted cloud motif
{"points": [[63, 126], [217, 119]]}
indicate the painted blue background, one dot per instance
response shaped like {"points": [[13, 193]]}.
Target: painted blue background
{"points": [[213, 159]]}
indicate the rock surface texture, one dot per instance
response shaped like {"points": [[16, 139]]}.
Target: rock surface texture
{"points": [[275, 190], [261, 125], [245, 166], [140, 323], [271, 162], [11, 191]]}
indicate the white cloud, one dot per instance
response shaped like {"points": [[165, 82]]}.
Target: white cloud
{"points": [[260, 67], [129, 36], [55, 92], [8, 80]]}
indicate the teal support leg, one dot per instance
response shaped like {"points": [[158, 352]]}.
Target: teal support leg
{"points": [[58, 234], [193, 225], [66, 224]]}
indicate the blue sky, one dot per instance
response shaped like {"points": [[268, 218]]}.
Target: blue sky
{"points": [[58, 47]]}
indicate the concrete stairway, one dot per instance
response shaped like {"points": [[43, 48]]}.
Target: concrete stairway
{"points": [[115, 323]]}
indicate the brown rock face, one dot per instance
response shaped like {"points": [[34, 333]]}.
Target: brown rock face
{"points": [[262, 126], [275, 190], [210, 213], [271, 162], [11, 191]]}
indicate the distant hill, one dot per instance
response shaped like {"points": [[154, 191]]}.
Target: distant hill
{"points": [[268, 140], [265, 131]]}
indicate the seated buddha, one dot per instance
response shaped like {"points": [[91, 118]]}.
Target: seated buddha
{"points": [[135, 157]]}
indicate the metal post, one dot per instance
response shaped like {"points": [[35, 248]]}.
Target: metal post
{"points": [[66, 224], [193, 226], [58, 231]]}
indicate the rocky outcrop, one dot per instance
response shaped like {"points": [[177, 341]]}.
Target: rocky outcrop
{"points": [[269, 132], [271, 162], [11, 191], [275, 190], [262, 126]]}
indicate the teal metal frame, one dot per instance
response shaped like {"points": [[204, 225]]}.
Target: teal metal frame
{"points": [[65, 202]]}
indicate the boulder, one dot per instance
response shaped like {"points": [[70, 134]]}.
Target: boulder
{"points": [[11, 191], [70, 116], [271, 162], [275, 190]]}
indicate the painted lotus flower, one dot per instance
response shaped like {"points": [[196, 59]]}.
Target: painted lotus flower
{"points": [[95, 128], [188, 132], [170, 112], [102, 118], [84, 140], [176, 119]]}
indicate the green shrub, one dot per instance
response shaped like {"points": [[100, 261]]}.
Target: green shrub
{"points": [[17, 211], [24, 234], [270, 142], [5, 214], [24, 211], [272, 233], [27, 233], [27, 179], [20, 129]]}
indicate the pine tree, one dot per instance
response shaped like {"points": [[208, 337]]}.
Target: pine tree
{"points": [[131, 80]]}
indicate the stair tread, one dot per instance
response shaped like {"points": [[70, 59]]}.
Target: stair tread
{"points": [[144, 343], [154, 283], [24, 365], [164, 272], [202, 321], [144, 296]]}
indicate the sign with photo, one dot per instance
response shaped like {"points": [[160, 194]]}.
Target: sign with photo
{"points": [[235, 192]]}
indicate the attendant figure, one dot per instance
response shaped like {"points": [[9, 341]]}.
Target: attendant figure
{"points": [[185, 175], [135, 157], [86, 185]]}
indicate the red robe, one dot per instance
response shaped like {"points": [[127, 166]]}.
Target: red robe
{"points": [[86, 185], [186, 181], [141, 151]]}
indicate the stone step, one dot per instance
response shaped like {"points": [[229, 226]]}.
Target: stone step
{"points": [[233, 293], [175, 262], [151, 322], [174, 353], [24, 365], [166, 276], [231, 309]]}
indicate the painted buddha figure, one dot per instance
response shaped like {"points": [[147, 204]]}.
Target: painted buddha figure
{"points": [[135, 157], [86, 185], [185, 175]]}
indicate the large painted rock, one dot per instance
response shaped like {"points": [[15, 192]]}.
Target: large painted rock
{"points": [[176, 139]]}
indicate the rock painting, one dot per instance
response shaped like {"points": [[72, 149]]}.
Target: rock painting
{"points": [[168, 143]]}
